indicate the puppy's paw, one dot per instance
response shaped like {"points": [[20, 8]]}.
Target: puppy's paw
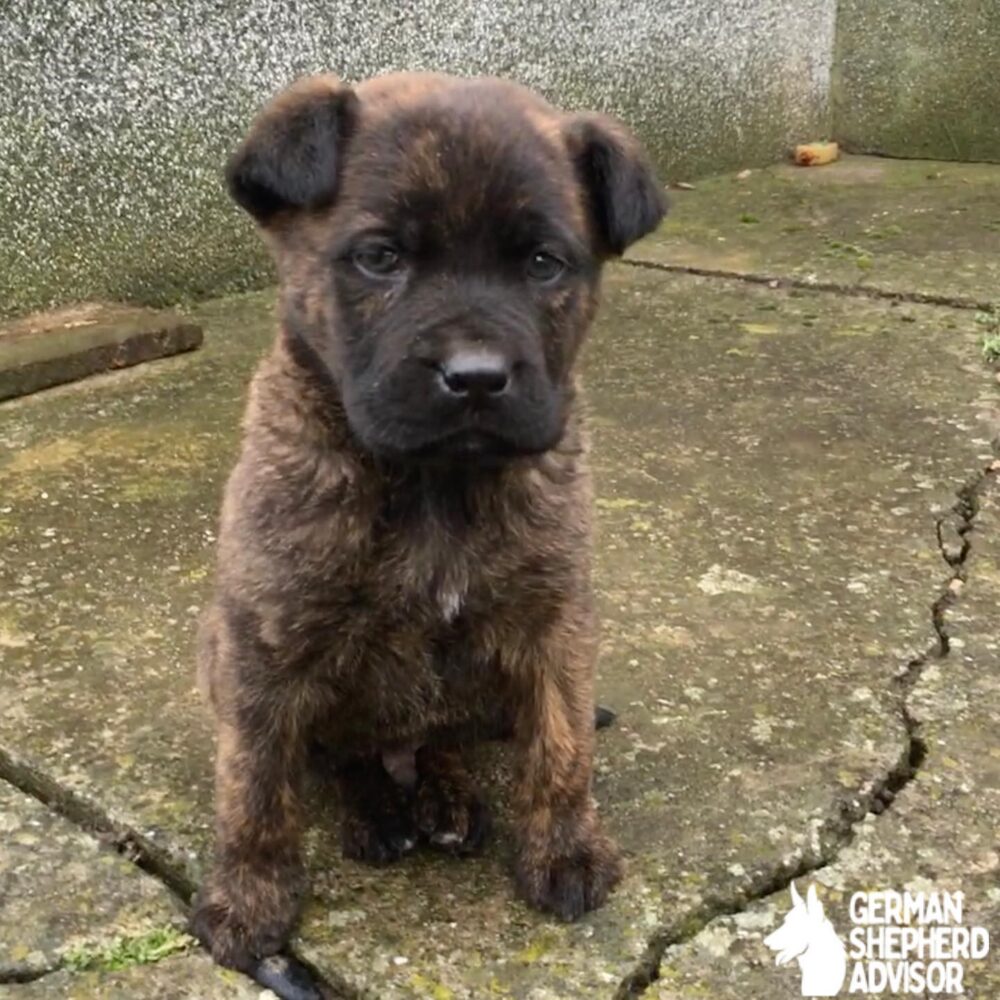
{"points": [[378, 825], [572, 882], [378, 838], [450, 814], [234, 938], [451, 818]]}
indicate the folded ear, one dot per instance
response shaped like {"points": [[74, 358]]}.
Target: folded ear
{"points": [[291, 157], [626, 199]]}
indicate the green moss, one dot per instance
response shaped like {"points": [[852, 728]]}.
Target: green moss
{"points": [[429, 988], [991, 336], [125, 951], [536, 949]]}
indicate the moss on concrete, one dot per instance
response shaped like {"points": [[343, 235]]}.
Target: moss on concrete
{"points": [[65, 898], [907, 227], [127, 950], [918, 78], [181, 977]]}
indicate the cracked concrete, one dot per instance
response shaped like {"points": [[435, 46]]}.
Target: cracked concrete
{"points": [[940, 833], [786, 522], [863, 225], [44, 858], [188, 977]]}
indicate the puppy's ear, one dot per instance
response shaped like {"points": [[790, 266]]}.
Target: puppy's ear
{"points": [[292, 155], [626, 199]]}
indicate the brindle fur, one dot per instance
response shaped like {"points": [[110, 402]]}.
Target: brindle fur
{"points": [[384, 585]]}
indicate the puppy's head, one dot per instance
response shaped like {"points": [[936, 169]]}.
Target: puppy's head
{"points": [[439, 243]]}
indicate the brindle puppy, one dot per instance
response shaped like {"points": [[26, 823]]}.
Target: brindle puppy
{"points": [[404, 555]]}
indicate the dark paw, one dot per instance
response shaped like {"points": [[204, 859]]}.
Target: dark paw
{"points": [[377, 839], [287, 978], [378, 824], [572, 884], [452, 819], [232, 941]]}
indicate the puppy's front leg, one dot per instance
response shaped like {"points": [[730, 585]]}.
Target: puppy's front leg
{"points": [[246, 909], [566, 864]]}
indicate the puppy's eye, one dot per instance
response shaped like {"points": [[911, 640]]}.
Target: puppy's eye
{"points": [[377, 260], [545, 267]]}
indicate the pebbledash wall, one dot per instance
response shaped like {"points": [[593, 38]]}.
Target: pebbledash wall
{"points": [[919, 78], [116, 115]]}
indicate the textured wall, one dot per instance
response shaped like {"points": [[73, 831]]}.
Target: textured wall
{"points": [[919, 78], [115, 115]]}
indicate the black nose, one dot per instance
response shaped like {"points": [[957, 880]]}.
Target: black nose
{"points": [[475, 373]]}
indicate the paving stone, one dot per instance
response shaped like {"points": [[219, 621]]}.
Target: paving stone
{"points": [[939, 835], [770, 466], [186, 977], [61, 889], [895, 226], [48, 349]]}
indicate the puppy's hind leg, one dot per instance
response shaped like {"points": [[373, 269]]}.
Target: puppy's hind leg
{"points": [[450, 813], [378, 823]]}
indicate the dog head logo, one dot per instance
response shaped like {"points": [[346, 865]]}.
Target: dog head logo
{"points": [[808, 937]]}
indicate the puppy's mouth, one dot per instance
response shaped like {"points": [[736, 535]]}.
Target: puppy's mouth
{"points": [[471, 444], [472, 440]]}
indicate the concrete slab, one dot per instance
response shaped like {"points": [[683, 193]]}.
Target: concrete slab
{"points": [[769, 466], [188, 977], [60, 890], [939, 835], [48, 349], [912, 228]]}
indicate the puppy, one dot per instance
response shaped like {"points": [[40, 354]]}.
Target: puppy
{"points": [[404, 553]]}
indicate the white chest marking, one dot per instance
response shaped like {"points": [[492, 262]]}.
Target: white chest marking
{"points": [[451, 604]]}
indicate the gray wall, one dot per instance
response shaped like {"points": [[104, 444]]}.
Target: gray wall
{"points": [[919, 78], [115, 115]]}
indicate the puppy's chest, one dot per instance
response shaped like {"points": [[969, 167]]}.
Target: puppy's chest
{"points": [[441, 582], [428, 644], [443, 568]]}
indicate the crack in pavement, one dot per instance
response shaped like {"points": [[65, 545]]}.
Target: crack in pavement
{"points": [[18, 977], [88, 815], [152, 859], [829, 836], [837, 831], [835, 287]]}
